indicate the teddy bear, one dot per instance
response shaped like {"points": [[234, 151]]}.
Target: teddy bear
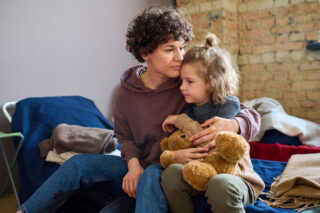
{"points": [[229, 149], [179, 139]]}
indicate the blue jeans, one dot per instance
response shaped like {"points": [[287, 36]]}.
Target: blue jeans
{"points": [[150, 197], [78, 172], [88, 169]]}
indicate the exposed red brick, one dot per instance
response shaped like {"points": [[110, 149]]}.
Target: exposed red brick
{"points": [[291, 46], [265, 48], [271, 33], [310, 66]]}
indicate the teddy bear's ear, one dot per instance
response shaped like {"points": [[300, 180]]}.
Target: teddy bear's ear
{"points": [[164, 144]]}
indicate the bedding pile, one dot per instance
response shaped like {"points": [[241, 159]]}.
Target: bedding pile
{"points": [[279, 152], [273, 116], [298, 187], [36, 118]]}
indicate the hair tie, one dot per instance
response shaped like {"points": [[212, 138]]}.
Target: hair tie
{"points": [[211, 40]]}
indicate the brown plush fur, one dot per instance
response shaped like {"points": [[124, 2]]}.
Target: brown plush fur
{"points": [[177, 140], [230, 149], [197, 174]]}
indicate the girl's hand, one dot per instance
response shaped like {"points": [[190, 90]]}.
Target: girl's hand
{"points": [[215, 125], [184, 156], [168, 123], [130, 180]]}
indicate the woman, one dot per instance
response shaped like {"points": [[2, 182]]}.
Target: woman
{"points": [[148, 94]]}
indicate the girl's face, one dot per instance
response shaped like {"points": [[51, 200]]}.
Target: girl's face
{"points": [[193, 87], [166, 59]]}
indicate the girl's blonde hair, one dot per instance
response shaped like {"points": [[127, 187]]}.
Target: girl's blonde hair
{"points": [[216, 67]]}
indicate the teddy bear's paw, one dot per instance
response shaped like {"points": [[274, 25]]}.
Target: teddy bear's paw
{"points": [[167, 158], [215, 159], [164, 144], [197, 174], [231, 146]]}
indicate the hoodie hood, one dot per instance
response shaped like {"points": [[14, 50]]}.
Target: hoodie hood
{"points": [[130, 81]]}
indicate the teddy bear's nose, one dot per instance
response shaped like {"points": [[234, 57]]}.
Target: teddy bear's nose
{"points": [[183, 136]]}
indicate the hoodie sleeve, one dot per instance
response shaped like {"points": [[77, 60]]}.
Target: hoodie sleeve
{"points": [[249, 122], [123, 132]]}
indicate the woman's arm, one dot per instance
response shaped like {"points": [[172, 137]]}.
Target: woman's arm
{"points": [[122, 130], [130, 180], [247, 124], [130, 152]]}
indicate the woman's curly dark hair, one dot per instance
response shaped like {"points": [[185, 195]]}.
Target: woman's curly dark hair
{"points": [[156, 26]]}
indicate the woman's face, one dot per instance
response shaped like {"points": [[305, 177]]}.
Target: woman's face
{"points": [[166, 59], [193, 87]]}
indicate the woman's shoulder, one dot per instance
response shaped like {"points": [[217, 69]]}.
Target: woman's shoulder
{"points": [[132, 70]]}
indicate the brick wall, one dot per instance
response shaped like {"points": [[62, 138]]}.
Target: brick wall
{"points": [[268, 39]]}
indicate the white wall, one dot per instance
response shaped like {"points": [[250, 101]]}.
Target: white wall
{"points": [[65, 47]]}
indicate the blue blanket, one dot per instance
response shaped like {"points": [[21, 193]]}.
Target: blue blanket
{"points": [[36, 118]]}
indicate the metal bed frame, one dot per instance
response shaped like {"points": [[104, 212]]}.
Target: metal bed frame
{"points": [[11, 166]]}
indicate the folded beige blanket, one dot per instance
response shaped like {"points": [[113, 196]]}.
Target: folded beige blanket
{"points": [[79, 139], [298, 187]]}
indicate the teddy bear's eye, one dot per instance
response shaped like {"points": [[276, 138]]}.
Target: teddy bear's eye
{"points": [[182, 136]]}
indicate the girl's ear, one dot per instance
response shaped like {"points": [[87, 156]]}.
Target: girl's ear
{"points": [[210, 90]]}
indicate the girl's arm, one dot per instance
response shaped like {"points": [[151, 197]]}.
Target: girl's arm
{"points": [[168, 123], [184, 156]]}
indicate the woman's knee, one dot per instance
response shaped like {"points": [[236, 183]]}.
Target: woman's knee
{"points": [[153, 170], [150, 176]]}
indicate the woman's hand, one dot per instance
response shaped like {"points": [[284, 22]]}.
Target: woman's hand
{"points": [[184, 156], [130, 180], [168, 123], [213, 127]]}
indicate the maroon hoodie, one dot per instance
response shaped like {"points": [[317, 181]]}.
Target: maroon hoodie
{"points": [[140, 111]]}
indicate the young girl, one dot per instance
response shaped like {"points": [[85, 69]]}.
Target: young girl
{"points": [[209, 80]]}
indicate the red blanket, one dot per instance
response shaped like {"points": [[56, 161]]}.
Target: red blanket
{"points": [[278, 152]]}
